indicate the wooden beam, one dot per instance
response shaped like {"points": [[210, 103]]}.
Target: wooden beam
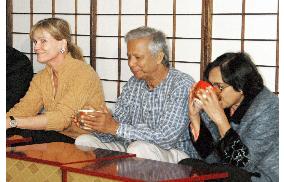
{"points": [[93, 33], [9, 23], [174, 34], [206, 34]]}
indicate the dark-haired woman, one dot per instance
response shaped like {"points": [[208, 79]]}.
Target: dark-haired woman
{"points": [[239, 126]]}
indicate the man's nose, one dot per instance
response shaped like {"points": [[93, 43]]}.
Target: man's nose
{"points": [[131, 61]]}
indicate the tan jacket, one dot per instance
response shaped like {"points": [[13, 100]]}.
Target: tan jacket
{"points": [[78, 86]]}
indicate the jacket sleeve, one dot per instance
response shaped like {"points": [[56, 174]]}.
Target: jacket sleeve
{"points": [[204, 143], [84, 89], [232, 150], [19, 74], [31, 103]]}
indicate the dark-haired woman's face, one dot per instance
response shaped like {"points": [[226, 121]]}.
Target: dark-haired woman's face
{"points": [[228, 96]]}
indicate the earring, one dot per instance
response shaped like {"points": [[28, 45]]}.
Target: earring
{"points": [[62, 50]]}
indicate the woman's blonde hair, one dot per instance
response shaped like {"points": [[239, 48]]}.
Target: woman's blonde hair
{"points": [[58, 29]]}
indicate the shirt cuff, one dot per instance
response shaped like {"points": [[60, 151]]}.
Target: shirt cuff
{"points": [[122, 130]]}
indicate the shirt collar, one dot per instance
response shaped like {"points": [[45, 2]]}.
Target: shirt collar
{"points": [[160, 84], [241, 110], [67, 59]]}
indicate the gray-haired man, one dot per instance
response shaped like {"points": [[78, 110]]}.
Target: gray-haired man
{"points": [[150, 117]]}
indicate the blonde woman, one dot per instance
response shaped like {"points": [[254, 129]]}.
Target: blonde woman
{"points": [[65, 85]]}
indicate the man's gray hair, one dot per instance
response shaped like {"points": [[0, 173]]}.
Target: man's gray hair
{"points": [[158, 41]]}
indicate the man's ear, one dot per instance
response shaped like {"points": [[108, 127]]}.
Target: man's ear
{"points": [[160, 57]]}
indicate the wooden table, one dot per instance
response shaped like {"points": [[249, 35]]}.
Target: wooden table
{"points": [[135, 169], [56, 162], [42, 162], [17, 140]]}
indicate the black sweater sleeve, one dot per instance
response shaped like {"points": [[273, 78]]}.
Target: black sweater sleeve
{"points": [[231, 149], [204, 145]]}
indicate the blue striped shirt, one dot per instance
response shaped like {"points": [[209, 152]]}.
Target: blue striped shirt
{"points": [[157, 116]]}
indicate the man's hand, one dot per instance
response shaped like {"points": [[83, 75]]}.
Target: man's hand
{"points": [[101, 121]]}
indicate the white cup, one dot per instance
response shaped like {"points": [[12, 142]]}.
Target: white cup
{"points": [[82, 112]]}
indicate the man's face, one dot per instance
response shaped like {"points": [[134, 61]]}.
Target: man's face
{"points": [[140, 60]]}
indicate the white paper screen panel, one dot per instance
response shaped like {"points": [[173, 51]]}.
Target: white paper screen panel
{"points": [[129, 22], [221, 46], [187, 26], [21, 42], [83, 27], [39, 8], [84, 6], [227, 26], [21, 23], [188, 50], [227, 6], [107, 25], [21, 6], [133, 7], [163, 23], [84, 43], [107, 6], [188, 7], [106, 47], [262, 52], [107, 68], [261, 6], [268, 75], [261, 27], [160, 6], [110, 90], [65, 6]]}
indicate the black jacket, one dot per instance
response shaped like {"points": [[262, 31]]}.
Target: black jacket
{"points": [[19, 73]]}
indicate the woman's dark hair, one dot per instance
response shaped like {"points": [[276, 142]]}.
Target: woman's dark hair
{"points": [[238, 70]]}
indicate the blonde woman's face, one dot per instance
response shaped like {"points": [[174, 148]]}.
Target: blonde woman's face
{"points": [[46, 47]]}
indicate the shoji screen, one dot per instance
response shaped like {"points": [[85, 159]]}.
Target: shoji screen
{"points": [[251, 26], [197, 31]]}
